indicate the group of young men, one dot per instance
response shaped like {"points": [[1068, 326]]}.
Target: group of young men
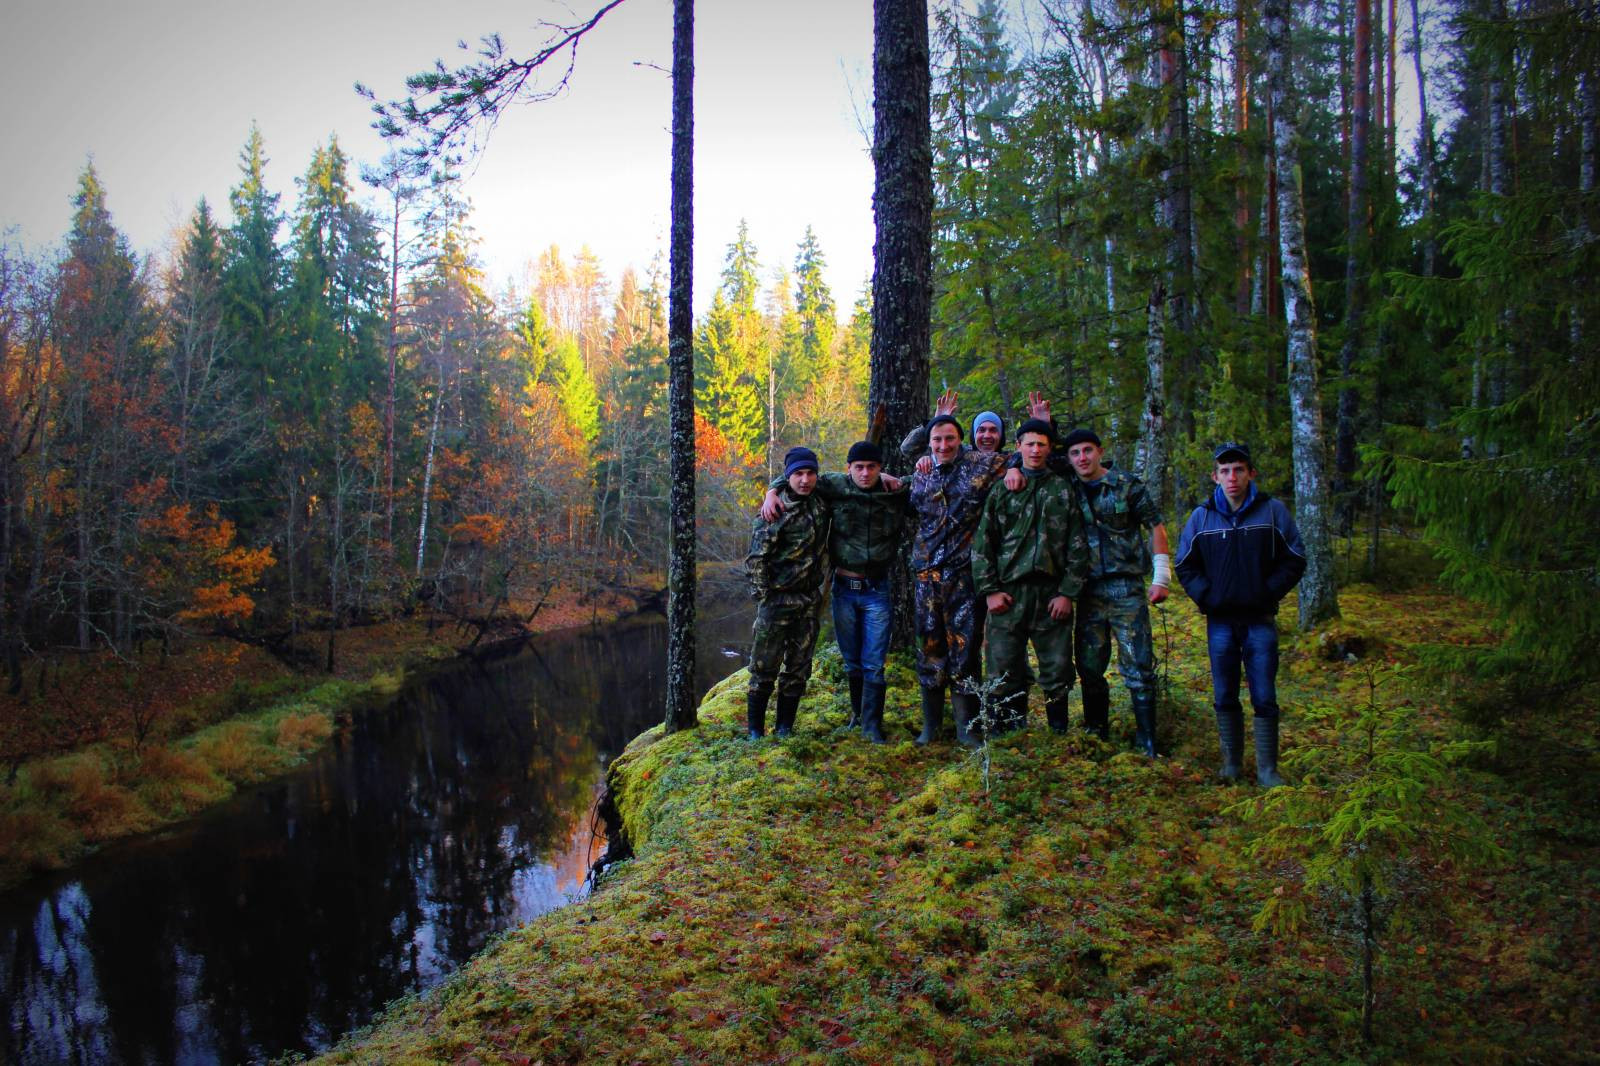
{"points": [[1048, 546]]}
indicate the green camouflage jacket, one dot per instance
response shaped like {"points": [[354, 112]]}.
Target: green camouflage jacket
{"points": [[1035, 532], [1117, 519], [787, 556], [948, 502], [868, 525]]}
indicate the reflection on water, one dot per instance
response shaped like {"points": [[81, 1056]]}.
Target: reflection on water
{"points": [[290, 915]]}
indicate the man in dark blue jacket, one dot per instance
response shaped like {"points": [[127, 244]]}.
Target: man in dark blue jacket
{"points": [[1239, 555]]}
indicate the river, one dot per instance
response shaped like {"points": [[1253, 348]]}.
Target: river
{"points": [[290, 915]]}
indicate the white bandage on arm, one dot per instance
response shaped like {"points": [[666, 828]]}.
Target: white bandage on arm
{"points": [[1163, 576]]}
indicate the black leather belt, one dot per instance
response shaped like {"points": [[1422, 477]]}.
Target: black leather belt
{"points": [[854, 584]]}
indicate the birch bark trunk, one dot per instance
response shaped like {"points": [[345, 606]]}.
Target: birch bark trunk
{"points": [[1318, 597]]}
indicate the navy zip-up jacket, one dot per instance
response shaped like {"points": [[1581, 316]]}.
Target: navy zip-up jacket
{"points": [[1237, 565]]}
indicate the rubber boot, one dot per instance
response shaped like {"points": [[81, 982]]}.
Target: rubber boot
{"points": [[1230, 734], [933, 715], [1011, 712], [1097, 712], [1144, 722], [1267, 752], [855, 701], [756, 714], [787, 706], [1055, 712], [968, 730], [872, 693]]}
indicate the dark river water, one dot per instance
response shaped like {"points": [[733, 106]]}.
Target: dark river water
{"points": [[285, 918]]}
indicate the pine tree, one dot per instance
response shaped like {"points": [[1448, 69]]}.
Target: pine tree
{"points": [[578, 396], [255, 271], [813, 304], [103, 328]]}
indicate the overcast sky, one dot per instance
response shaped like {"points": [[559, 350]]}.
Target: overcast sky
{"points": [[161, 96]]}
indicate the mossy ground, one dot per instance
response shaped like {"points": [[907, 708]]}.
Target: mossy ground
{"points": [[818, 899]]}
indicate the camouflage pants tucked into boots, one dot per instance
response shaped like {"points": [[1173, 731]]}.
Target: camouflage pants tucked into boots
{"points": [[1029, 619], [781, 649], [1114, 608], [949, 626]]}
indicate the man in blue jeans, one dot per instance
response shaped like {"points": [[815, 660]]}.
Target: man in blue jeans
{"points": [[869, 519], [1239, 555]]}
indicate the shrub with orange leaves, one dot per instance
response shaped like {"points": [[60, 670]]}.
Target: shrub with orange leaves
{"points": [[192, 562], [479, 530]]}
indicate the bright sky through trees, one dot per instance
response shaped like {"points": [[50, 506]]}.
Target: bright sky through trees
{"points": [[161, 96]]}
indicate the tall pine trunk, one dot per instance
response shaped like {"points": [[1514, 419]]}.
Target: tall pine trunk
{"points": [[681, 711], [1355, 269], [1177, 209], [902, 209], [1318, 597], [1425, 158]]}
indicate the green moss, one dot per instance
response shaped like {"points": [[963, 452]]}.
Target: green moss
{"points": [[819, 899]]}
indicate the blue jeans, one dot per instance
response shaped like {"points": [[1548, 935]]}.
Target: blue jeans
{"points": [[861, 619], [1254, 646]]}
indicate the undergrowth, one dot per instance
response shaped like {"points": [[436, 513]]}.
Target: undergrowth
{"points": [[824, 900], [57, 808]]}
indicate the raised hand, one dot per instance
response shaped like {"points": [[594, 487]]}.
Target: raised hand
{"points": [[946, 403], [1038, 406]]}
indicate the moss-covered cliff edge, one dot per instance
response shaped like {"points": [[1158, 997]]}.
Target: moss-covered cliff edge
{"points": [[820, 899]]}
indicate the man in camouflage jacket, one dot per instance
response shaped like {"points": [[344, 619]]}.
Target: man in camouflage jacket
{"points": [[785, 567], [868, 526], [948, 500], [1117, 510], [1030, 560]]}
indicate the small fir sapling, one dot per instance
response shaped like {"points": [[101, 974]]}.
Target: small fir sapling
{"points": [[1373, 807]]}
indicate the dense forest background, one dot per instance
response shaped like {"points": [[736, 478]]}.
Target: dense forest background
{"points": [[317, 413]]}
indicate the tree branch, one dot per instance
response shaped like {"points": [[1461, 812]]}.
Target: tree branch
{"points": [[445, 106]]}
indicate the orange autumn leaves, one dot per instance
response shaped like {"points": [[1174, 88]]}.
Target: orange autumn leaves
{"points": [[191, 560]]}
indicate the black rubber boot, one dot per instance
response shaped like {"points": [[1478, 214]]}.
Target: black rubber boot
{"points": [[787, 706], [1097, 712], [1011, 712], [872, 694], [1144, 722], [933, 715], [855, 701], [1267, 752], [1230, 734], [756, 713], [969, 733], [1055, 712]]}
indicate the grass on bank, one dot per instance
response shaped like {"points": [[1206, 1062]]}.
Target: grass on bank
{"points": [[97, 748], [822, 900], [56, 808]]}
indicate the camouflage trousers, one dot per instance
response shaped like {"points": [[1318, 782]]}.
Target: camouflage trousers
{"points": [[1115, 608], [1028, 619], [949, 626], [782, 641]]}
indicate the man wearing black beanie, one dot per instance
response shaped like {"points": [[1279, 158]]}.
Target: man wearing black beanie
{"points": [[868, 524], [785, 568]]}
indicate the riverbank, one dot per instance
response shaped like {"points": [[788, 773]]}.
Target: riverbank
{"points": [[168, 736], [820, 899]]}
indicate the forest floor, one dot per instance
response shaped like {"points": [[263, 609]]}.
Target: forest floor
{"points": [[98, 748], [819, 899]]}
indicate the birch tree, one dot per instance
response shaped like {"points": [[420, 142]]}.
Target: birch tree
{"points": [[1318, 597]]}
